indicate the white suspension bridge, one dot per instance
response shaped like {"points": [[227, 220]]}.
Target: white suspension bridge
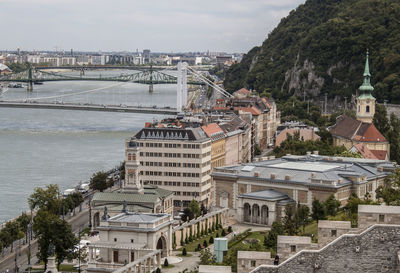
{"points": [[53, 102]]}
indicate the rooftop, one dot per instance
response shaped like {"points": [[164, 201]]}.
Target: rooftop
{"points": [[334, 224], [283, 239], [379, 209], [257, 255], [214, 269], [270, 195], [322, 171], [138, 217]]}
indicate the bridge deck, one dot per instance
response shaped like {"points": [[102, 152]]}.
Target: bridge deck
{"points": [[89, 107]]}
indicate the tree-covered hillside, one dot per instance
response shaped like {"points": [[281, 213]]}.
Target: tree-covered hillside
{"points": [[320, 48]]}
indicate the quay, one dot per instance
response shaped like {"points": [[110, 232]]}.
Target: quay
{"points": [[89, 107]]}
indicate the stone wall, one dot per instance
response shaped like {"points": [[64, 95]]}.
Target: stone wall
{"points": [[372, 214], [374, 250], [204, 222], [330, 230], [289, 245]]}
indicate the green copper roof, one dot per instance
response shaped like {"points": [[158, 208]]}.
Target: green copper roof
{"points": [[366, 96], [366, 86]]}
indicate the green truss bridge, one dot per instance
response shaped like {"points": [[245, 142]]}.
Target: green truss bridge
{"points": [[149, 76]]}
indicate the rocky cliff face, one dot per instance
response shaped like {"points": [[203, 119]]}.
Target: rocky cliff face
{"points": [[320, 48]]}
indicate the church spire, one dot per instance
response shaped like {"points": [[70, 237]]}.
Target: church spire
{"points": [[366, 85]]}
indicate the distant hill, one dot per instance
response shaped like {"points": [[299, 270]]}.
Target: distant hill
{"points": [[320, 48]]}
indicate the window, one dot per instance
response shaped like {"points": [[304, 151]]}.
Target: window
{"points": [[333, 233], [132, 241], [367, 109], [381, 218], [115, 252], [253, 263], [115, 239], [293, 248]]}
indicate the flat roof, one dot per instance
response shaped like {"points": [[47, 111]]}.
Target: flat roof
{"points": [[334, 224], [379, 209], [283, 239], [138, 217], [306, 166], [257, 255], [214, 269]]}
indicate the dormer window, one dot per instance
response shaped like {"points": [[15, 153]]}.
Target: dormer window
{"points": [[367, 109]]}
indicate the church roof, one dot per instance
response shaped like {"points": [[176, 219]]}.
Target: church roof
{"points": [[352, 129]]}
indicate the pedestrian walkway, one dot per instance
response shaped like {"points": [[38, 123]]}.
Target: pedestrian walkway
{"points": [[189, 263]]}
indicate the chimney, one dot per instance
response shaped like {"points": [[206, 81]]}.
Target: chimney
{"points": [[340, 180], [380, 169], [256, 174], [316, 152], [313, 175], [308, 153], [287, 177], [273, 176]]}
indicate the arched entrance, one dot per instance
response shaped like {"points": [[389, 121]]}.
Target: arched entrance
{"points": [[96, 219], [162, 244], [246, 212], [264, 215], [256, 214]]}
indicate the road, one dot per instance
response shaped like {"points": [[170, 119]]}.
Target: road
{"points": [[80, 220]]}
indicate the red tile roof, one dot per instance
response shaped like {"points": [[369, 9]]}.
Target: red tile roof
{"points": [[364, 151], [353, 129], [243, 91], [253, 110], [211, 129], [380, 154]]}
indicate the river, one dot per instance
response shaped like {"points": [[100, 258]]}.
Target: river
{"points": [[40, 147]]}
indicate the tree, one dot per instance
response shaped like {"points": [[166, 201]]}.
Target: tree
{"points": [[229, 229], [158, 270], [318, 210], [211, 241], [381, 120], [301, 216], [205, 243], [390, 191], [332, 205], [46, 199], [271, 240], [166, 264], [206, 257], [50, 229], [98, 181], [187, 215], [288, 220], [203, 209], [194, 208], [12, 229], [184, 252], [223, 233]]}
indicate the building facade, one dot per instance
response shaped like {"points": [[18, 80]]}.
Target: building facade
{"points": [[176, 159], [301, 178]]}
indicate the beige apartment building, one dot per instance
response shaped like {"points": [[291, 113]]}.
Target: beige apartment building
{"points": [[176, 159]]}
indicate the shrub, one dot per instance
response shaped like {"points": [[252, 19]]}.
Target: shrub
{"points": [[229, 229], [211, 241], [186, 240], [166, 262], [158, 270], [198, 248], [184, 252], [205, 244], [223, 233]]}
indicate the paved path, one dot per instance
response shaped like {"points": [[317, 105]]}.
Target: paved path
{"points": [[190, 263]]}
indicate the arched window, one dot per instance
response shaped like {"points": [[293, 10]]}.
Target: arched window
{"points": [[367, 109]]}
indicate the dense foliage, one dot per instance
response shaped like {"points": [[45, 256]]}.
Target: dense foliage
{"points": [[326, 39]]}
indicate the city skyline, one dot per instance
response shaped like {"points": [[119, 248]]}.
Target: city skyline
{"points": [[173, 26]]}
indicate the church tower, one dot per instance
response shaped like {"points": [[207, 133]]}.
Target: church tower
{"points": [[365, 101], [132, 168]]}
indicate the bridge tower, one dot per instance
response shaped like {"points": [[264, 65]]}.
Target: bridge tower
{"points": [[151, 79], [181, 92], [30, 81]]}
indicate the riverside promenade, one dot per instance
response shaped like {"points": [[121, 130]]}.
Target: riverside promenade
{"points": [[19, 257]]}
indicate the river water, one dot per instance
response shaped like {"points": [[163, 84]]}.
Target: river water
{"points": [[40, 147]]}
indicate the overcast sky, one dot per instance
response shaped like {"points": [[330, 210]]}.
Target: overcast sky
{"points": [[127, 25]]}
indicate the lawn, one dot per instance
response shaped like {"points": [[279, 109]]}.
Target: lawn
{"points": [[190, 247]]}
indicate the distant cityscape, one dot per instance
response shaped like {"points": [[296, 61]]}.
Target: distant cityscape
{"points": [[71, 57]]}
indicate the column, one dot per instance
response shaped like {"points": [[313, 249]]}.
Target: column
{"points": [[90, 254], [295, 195], [309, 198], [112, 255], [149, 264], [139, 268], [159, 260]]}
